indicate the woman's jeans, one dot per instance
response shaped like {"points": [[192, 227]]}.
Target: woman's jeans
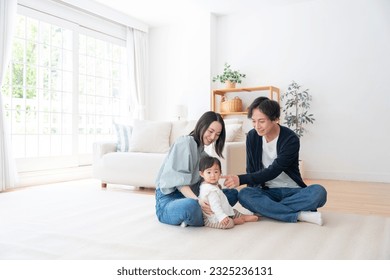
{"points": [[174, 208], [283, 204]]}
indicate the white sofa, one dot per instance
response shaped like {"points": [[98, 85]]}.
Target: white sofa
{"points": [[146, 144]]}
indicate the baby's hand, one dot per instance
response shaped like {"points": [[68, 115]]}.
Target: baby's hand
{"points": [[225, 221]]}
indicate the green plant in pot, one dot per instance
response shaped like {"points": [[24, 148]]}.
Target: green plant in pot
{"points": [[296, 108], [296, 112], [229, 77]]}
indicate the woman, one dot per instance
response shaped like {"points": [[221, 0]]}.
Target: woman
{"points": [[177, 183]]}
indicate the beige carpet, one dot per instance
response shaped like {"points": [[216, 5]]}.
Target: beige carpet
{"points": [[81, 221]]}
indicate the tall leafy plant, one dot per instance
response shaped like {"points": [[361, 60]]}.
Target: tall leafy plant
{"points": [[296, 108]]}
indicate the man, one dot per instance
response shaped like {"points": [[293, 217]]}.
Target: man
{"points": [[275, 188]]}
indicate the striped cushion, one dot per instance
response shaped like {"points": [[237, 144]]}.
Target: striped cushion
{"points": [[123, 134]]}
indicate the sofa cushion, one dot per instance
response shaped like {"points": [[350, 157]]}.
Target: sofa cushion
{"points": [[233, 132], [134, 169], [233, 121], [123, 134], [180, 128], [150, 136]]}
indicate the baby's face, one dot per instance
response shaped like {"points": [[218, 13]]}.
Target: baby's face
{"points": [[211, 175]]}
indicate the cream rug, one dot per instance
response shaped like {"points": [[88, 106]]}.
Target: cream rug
{"points": [[79, 220]]}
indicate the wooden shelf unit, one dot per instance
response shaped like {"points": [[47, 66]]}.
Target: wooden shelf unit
{"points": [[273, 93]]}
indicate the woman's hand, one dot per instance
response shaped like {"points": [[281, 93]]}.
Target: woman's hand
{"points": [[205, 207], [187, 192], [231, 181]]}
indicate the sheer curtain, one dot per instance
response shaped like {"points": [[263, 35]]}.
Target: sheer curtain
{"points": [[137, 50], [8, 176]]}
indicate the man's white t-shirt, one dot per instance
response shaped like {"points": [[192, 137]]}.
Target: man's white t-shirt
{"points": [[269, 155]]}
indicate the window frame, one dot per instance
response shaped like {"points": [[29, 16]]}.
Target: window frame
{"points": [[89, 27]]}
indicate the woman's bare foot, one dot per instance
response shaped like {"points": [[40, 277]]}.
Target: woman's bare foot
{"points": [[239, 220], [250, 218]]}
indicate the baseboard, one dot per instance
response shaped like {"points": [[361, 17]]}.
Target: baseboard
{"points": [[348, 176], [54, 176], [85, 172]]}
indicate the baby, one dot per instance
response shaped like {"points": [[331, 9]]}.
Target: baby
{"points": [[224, 216]]}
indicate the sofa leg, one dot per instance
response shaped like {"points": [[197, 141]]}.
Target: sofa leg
{"points": [[104, 185]]}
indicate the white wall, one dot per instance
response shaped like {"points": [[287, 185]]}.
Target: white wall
{"points": [[180, 68], [339, 49]]}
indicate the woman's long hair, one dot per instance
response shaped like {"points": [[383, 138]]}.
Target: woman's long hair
{"points": [[203, 124]]}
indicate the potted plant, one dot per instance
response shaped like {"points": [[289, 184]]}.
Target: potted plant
{"points": [[296, 108], [296, 112], [229, 77]]}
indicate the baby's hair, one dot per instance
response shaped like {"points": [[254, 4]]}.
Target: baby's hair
{"points": [[207, 162]]}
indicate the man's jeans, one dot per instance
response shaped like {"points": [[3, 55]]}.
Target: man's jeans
{"points": [[283, 204]]}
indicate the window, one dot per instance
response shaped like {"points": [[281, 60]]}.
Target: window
{"points": [[101, 70], [63, 90]]}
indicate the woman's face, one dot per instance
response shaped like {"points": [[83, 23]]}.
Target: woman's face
{"points": [[212, 133]]}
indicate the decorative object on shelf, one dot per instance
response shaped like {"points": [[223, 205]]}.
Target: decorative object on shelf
{"points": [[296, 106], [229, 77], [217, 94], [230, 84], [233, 105]]}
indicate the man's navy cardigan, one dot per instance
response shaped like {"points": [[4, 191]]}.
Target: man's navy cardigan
{"points": [[287, 159]]}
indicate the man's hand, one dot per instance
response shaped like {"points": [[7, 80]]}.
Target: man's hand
{"points": [[231, 181]]}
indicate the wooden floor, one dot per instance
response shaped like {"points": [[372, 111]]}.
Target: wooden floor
{"points": [[356, 197], [343, 196], [348, 197]]}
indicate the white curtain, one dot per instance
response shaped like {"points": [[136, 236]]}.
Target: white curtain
{"points": [[8, 175], [137, 61]]}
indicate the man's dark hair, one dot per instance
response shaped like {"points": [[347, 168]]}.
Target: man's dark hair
{"points": [[268, 107]]}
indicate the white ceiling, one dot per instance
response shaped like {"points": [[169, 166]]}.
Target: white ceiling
{"points": [[160, 12]]}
